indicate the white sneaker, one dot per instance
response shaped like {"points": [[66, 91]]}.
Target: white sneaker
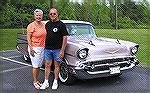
{"points": [[55, 85], [44, 85]]}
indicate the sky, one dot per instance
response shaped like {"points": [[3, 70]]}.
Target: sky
{"points": [[140, 0], [80, 1]]}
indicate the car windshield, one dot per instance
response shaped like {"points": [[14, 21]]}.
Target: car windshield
{"points": [[79, 29]]}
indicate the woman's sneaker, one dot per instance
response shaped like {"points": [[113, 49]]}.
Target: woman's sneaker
{"points": [[44, 85], [37, 85]]}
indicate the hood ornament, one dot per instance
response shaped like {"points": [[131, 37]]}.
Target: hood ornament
{"points": [[118, 41], [91, 43]]}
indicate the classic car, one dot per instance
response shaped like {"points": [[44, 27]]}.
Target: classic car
{"points": [[88, 56]]}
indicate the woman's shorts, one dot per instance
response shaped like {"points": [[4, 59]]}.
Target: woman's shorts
{"points": [[52, 54], [38, 58]]}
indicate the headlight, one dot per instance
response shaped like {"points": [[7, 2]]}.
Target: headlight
{"points": [[82, 54], [134, 50]]}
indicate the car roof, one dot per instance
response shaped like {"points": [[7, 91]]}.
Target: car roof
{"points": [[72, 21]]}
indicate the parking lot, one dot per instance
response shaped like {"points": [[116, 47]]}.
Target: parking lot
{"points": [[15, 76]]}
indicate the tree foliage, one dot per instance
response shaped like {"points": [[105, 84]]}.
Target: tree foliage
{"points": [[19, 13]]}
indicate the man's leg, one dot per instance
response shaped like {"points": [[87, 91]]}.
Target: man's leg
{"points": [[47, 69], [57, 61], [56, 73], [56, 70]]}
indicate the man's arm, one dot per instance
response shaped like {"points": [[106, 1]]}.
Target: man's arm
{"points": [[64, 43]]}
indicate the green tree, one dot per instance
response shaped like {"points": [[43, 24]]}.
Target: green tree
{"points": [[18, 13]]}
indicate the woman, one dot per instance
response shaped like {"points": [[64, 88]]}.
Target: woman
{"points": [[36, 35]]}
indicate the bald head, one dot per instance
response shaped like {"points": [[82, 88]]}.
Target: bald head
{"points": [[53, 13], [53, 10]]}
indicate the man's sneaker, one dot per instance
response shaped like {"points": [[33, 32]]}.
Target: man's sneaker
{"points": [[44, 85], [55, 85]]}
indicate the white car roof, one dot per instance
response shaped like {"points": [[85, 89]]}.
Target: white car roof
{"points": [[72, 21]]}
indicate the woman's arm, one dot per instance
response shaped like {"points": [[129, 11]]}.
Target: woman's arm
{"points": [[29, 36]]}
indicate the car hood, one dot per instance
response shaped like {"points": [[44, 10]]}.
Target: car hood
{"points": [[100, 46]]}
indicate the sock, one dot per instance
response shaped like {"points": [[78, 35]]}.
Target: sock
{"points": [[46, 81]]}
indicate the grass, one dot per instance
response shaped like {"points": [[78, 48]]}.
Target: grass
{"points": [[139, 36], [8, 38]]}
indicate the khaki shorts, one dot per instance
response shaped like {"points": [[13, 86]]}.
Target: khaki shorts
{"points": [[37, 60]]}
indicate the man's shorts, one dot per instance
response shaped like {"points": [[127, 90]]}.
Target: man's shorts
{"points": [[52, 55], [38, 58]]}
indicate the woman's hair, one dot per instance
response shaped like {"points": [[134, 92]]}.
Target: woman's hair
{"points": [[38, 10]]}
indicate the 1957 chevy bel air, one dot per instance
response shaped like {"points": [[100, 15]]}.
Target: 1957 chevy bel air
{"points": [[88, 56]]}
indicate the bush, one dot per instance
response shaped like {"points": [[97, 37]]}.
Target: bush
{"points": [[126, 22], [103, 26]]}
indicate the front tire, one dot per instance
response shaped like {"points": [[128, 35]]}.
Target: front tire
{"points": [[65, 75]]}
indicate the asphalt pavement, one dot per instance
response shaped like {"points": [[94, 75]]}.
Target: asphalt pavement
{"points": [[16, 77]]}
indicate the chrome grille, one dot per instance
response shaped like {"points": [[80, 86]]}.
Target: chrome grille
{"points": [[106, 64], [108, 61]]}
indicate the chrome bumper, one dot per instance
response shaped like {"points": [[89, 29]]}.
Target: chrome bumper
{"points": [[103, 70]]}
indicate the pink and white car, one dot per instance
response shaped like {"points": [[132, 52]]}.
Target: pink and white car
{"points": [[88, 56]]}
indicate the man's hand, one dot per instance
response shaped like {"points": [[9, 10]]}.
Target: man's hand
{"points": [[61, 54]]}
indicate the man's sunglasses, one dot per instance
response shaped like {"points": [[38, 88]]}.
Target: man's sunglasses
{"points": [[52, 13]]}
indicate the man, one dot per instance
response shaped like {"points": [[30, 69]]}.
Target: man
{"points": [[56, 41]]}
